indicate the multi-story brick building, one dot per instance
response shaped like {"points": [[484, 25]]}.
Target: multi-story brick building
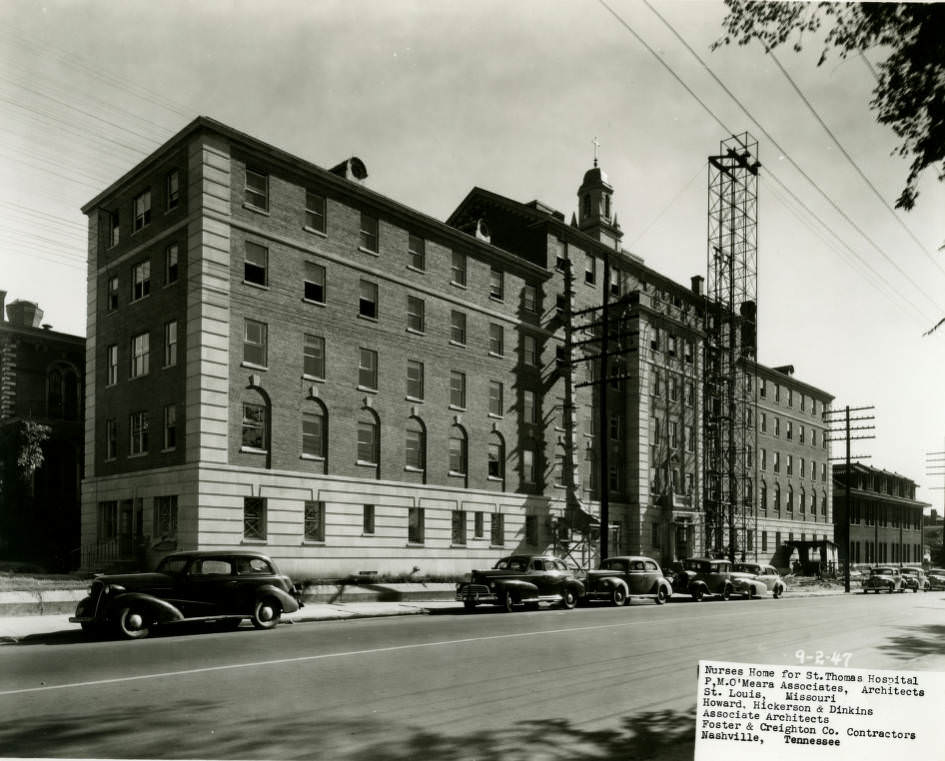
{"points": [[279, 355], [41, 391], [886, 519]]}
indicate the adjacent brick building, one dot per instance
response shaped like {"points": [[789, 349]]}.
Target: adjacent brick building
{"points": [[41, 388], [278, 355]]}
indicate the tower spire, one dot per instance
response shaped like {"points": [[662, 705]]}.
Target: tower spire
{"points": [[596, 146]]}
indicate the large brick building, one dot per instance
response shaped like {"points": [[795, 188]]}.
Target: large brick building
{"points": [[41, 390], [279, 355]]}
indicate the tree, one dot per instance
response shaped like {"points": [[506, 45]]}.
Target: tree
{"points": [[30, 458], [909, 95]]}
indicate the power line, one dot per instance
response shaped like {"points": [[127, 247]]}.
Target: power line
{"points": [[699, 173]]}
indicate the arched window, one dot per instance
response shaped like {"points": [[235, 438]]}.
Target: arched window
{"points": [[369, 438], [415, 449], [802, 501], [813, 502], [763, 498], [790, 499], [255, 429], [314, 430], [458, 451], [777, 498], [749, 493], [62, 392], [54, 393], [823, 504], [496, 456]]}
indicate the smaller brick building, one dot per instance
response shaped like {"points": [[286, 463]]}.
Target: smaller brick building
{"points": [[41, 379]]}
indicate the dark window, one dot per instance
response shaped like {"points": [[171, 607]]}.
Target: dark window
{"points": [[255, 342], [457, 451], [141, 280], [367, 304], [172, 190], [415, 449], [112, 297], [367, 440], [458, 268], [459, 527], [369, 232], [367, 368], [314, 521], [414, 379], [497, 530], [314, 282], [496, 284], [417, 249], [415, 527], [170, 264], [254, 517], [254, 426], [313, 431], [313, 356], [257, 189], [170, 426], [315, 211], [256, 264], [367, 519], [142, 210]]}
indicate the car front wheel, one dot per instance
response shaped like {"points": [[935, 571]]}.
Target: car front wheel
{"points": [[726, 592], [507, 602], [697, 595], [568, 599], [266, 613], [618, 596], [661, 595], [133, 623], [777, 592]]}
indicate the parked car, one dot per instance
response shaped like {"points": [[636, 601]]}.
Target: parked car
{"points": [[883, 577], [767, 575], [936, 577], [622, 577], [914, 578], [223, 587], [699, 577], [522, 580]]}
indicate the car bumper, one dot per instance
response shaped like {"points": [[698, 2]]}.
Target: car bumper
{"points": [[476, 594]]}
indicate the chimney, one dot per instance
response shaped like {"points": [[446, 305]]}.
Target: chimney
{"points": [[351, 169], [3, 298], [24, 314], [697, 281]]}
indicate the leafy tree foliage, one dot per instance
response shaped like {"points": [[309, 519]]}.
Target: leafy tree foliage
{"points": [[910, 90], [30, 458]]}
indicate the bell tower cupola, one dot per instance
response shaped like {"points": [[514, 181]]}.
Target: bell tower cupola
{"points": [[595, 205]]}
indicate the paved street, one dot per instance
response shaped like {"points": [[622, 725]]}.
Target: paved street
{"points": [[598, 683]]}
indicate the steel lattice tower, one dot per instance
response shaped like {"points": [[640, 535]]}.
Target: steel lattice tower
{"points": [[730, 342]]}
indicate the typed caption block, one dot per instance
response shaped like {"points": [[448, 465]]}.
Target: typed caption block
{"points": [[759, 712]]}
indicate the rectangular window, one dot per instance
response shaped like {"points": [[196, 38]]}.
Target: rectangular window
{"points": [[141, 280], [170, 343], [497, 530], [367, 519], [314, 286], [614, 428], [530, 298], [367, 368], [531, 530], [415, 527], [590, 270], [789, 431], [111, 439], [170, 426], [140, 355], [764, 422], [314, 211], [256, 264], [528, 465], [777, 462], [257, 189], [530, 351], [171, 264], [254, 427], [107, 520], [803, 469], [777, 426], [142, 210], [138, 425], [790, 465], [165, 518], [254, 518], [255, 342], [172, 190], [113, 228], [111, 298], [496, 284], [496, 406], [673, 435], [495, 455], [369, 233], [459, 527], [529, 409], [415, 447], [112, 361], [478, 530], [416, 314], [417, 252], [314, 520], [457, 389], [414, 379], [367, 443], [458, 269], [367, 301], [458, 327], [496, 339], [457, 453], [313, 433], [313, 356]]}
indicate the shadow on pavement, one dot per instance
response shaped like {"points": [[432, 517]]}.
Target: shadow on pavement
{"points": [[155, 732], [916, 641]]}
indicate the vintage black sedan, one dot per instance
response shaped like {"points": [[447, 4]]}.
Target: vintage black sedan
{"points": [[883, 578], [622, 577], [218, 586], [521, 580], [700, 577]]}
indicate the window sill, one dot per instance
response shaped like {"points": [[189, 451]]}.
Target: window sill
{"points": [[251, 284], [306, 376], [110, 459], [315, 231], [313, 543], [253, 450], [495, 479], [458, 546], [457, 408], [458, 284], [368, 533], [313, 302], [416, 269], [457, 343], [168, 449], [311, 457], [250, 540], [496, 546], [365, 464], [412, 469], [364, 250], [416, 544], [416, 332], [253, 365], [367, 389], [456, 474], [137, 456], [494, 416], [497, 299], [367, 317], [496, 354], [168, 367], [257, 209], [414, 399], [139, 299]]}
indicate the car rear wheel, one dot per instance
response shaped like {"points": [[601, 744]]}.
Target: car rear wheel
{"points": [[777, 592], [726, 592], [133, 622], [568, 599], [618, 596], [697, 595], [661, 595], [266, 613]]}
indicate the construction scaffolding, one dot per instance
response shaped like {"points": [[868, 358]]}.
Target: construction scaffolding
{"points": [[730, 348]]}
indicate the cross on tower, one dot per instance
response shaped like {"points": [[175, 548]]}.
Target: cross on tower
{"points": [[596, 146]]}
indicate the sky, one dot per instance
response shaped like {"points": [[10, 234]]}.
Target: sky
{"points": [[439, 97]]}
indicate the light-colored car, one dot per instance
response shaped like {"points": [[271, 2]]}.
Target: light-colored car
{"points": [[883, 578], [936, 577], [914, 578], [765, 574]]}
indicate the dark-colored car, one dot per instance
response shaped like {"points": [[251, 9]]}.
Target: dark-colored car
{"points": [[936, 577], [914, 578], [699, 577], [217, 586], [522, 580], [766, 574], [622, 577], [881, 578]]}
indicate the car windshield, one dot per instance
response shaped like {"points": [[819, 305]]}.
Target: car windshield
{"points": [[696, 565], [747, 568], [937, 571], [882, 572], [172, 565], [613, 564], [512, 564]]}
